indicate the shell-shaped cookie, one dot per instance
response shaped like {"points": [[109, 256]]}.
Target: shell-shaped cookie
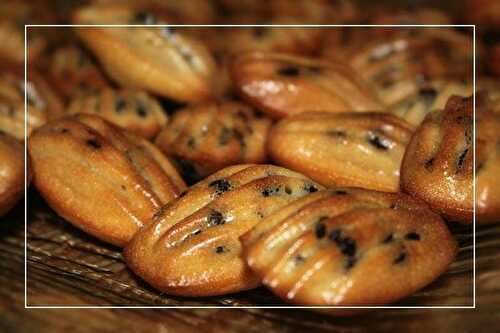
{"points": [[282, 85], [73, 73], [192, 246], [100, 178], [349, 246], [428, 97], [343, 149], [211, 136], [133, 110], [438, 162], [11, 172], [160, 60], [487, 161]]}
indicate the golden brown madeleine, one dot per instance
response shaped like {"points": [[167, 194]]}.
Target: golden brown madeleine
{"points": [[73, 73], [349, 246], [438, 163], [214, 135], [11, 172], [80, 161], [487, 160], [160, 60], [428, 97], [343, 149], [282, 85], [133, 110], [192, 248]]}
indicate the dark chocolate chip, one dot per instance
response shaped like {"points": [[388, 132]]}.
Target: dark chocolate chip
{"points": [[378, 142], [289, 71], [120, 104], [347, 246], [350, 262], [429, 94], [388, 239], [400, 258], [215, 218], [429, 163], [141, 109], [311, 188], [335, 235], [288, 190], [220, 249], [191, 142], [271, 191], [94, 143], [220, 186], [320, 230], [412, 236], [461, 158]]}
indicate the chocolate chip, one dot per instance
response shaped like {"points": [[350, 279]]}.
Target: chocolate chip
{"points": [[215, 218], [400, 258], [378, 142], [461, 159], [429, 94], [120, 104], [288, 190], [94, 143], [271, 191], [220, 186], [412, 236], [311, 188], [191, 142], [429, 164], [346, 244], [388, 239], [350, 262], [141, 109], [320, 230], [220, 249], [289, 71]]}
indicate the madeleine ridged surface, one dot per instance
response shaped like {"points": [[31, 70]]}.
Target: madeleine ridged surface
{"points": [[349, 246], [100, 178], [487, 161], [212, 136], [136, 111], [11, 172], [73, 73], [160, 60], [192, 247], [343, 149], [438, 163], [282, 85]]}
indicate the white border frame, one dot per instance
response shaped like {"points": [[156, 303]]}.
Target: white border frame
{"points": [[26, 27]]}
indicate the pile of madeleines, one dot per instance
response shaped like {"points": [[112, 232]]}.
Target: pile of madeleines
{"points": [[326, 164]]}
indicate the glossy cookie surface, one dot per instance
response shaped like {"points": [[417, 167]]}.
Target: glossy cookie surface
{"points": [[438, 163], [136, 111], [130, 173], [192, 246], [283, 85], [344, 149], [349, 246], [214, 135]]}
